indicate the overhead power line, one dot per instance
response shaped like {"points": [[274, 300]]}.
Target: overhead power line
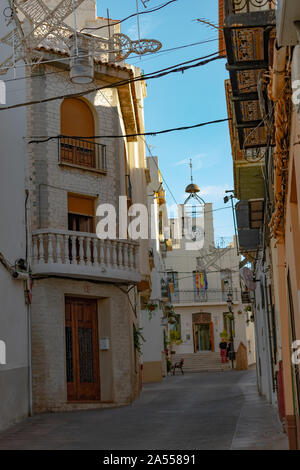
{"points": [[150, 76], [162, 51], [141, 134], [152, 10], [148, 147]]}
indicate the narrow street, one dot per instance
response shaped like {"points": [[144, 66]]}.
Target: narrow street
{"points": [[196, 411]]}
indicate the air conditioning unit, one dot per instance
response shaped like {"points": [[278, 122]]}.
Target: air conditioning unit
{"points": [[288, 11]]}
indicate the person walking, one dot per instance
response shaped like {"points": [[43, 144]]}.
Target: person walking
{"points": [[223, 350], [229, 345]]}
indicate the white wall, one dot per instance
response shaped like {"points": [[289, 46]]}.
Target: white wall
{"points": [[153, 334], [263, 354], [153, 331], [13, 311]]}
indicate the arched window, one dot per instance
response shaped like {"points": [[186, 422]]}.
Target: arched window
{"points": [[77, 127], [76, 118]]}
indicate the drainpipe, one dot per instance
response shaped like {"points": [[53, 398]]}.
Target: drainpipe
{"points": [[30, 412], [279, 66], [29, 336]]}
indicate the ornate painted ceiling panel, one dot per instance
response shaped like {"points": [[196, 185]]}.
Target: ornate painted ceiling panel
{"points": [[248, 44]]}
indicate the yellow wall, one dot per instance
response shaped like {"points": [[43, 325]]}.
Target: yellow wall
{"points": [[152, 372]]}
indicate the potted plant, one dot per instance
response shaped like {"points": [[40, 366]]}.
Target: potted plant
{"points": [[224, 335], [230, 316], [138, 338], [175, 338], [151, 307]]}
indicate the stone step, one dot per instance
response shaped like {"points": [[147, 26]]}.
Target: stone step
{"points": [[198, 362]]}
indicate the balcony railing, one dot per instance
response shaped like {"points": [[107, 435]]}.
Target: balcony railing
{"points": [[82, 153], [248, 6], [210, 295], [78, 254]]}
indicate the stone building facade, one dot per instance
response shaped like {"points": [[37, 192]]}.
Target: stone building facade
{"points": [[201, 280], [68, 263], [85, 289]]}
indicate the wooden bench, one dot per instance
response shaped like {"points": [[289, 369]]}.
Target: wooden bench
{"points": [[178, 365]]}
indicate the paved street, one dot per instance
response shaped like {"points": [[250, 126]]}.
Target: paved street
{"points": [[196, 411]]}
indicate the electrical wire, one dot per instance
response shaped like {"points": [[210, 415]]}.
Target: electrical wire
{"points": [[148, 148], [270, 113], [162, 51], [162, 176], [140, 134], [45, 61], [158, 74], [154, 9]]}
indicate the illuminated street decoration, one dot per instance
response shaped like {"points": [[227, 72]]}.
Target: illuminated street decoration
{"points": [[36, 25]]}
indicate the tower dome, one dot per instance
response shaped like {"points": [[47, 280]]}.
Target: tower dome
{"points": [[193, 189]]}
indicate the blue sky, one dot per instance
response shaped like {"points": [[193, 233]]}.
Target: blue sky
{"points": [[184, 99]]}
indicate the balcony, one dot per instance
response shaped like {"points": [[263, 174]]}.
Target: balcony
{"points": [[83, 255], [250, 220], [247, 6], [211, 296], [80, 153], [248, 26]]}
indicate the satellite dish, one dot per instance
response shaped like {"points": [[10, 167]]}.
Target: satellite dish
{"points": [[247, 275]]}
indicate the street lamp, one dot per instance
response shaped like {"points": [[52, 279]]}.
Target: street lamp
{"points": [[230, 308], [226, 200]]}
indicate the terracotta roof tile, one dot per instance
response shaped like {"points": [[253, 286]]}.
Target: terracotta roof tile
{"points": [[97, 60]]}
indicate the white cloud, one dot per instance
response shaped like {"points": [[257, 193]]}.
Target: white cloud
{"points": [[197, 161], [214, 192]]}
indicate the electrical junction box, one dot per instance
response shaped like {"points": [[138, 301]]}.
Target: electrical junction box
{"points": [[288, 11], [104, 344]]}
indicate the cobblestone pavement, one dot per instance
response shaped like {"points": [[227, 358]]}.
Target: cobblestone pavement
{"points": [[195, 411]]}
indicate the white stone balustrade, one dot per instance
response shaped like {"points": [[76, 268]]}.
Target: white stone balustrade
{"points": [[83, 255]]}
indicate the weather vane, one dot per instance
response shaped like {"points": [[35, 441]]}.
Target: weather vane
{"points": [[37, 25], [193, 189]]}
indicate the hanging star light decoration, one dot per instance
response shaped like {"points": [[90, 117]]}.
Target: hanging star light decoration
{"points": [[37, 25]]}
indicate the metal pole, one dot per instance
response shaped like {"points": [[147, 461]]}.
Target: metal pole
{"points": [[75, 27], [138, 23], [232, 345], [229, 301], [235, 226]]}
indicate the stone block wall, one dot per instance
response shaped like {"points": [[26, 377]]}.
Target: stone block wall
{"points": [[48, 344]]}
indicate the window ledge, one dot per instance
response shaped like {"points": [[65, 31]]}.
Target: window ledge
{"points": [[84, 168]]}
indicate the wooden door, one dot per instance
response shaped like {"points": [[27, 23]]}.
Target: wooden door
{"points": [[82, 350]]}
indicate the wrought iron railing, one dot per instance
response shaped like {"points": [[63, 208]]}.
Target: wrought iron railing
{"points": [[82, 153], [210, 295], [248, 6]]}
